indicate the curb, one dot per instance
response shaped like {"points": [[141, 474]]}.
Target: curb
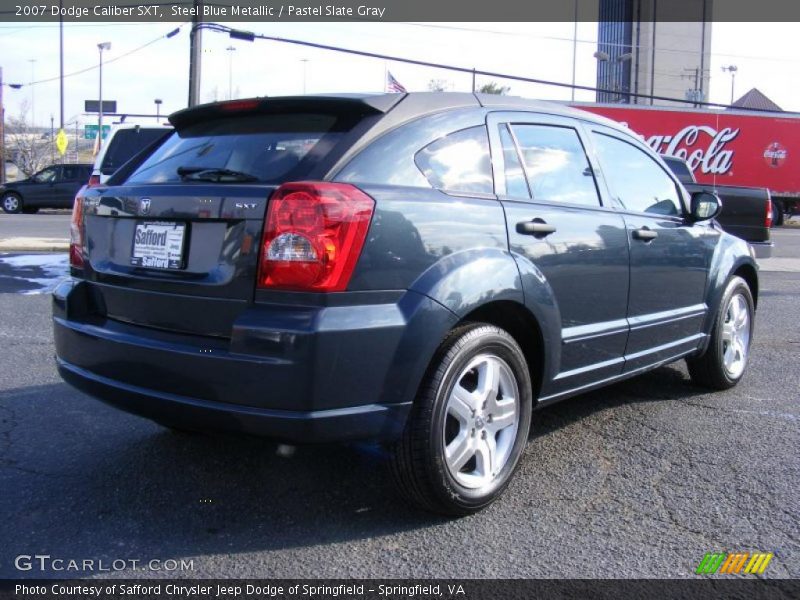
{"points": [[31, 244]]}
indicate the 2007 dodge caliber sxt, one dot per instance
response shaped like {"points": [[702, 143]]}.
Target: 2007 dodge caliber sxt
{"points": [[423, 270]]}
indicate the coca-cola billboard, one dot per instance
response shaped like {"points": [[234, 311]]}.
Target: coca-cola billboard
{"points": [[720, 147]]}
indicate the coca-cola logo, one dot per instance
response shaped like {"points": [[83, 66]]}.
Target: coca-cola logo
{"points": [[701, 146], [775, 155]]}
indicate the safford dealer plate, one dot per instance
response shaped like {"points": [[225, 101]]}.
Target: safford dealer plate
{"points": [[158, 245]]}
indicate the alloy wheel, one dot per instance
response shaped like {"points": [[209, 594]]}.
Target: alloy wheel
{"points": [[736, 336], [481, 421]]}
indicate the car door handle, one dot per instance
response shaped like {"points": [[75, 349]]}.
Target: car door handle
{"points": [[536, 228], [645, 234]]}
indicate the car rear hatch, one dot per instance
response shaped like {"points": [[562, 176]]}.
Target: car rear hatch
{"points": [[173, 243]]}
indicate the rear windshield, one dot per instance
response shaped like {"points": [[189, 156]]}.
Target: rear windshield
{"points": [[126, 144], [267, 148]]}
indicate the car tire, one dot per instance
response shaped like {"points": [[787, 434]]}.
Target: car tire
{"points": [[723, 363], [11, 203], [777, 213], [460, 446]]}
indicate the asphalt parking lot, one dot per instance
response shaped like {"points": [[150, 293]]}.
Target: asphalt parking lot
{"points": [[637, 480]]}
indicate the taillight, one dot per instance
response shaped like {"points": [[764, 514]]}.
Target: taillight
{"points": [[313, 235], [76, 234], [94, 181], [768, 217]]}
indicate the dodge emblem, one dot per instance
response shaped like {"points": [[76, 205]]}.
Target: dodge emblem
{"points": [[144, 206]]}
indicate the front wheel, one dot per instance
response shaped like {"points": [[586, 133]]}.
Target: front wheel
{"points": [[11, 203], [724, 361], [469, 424]]}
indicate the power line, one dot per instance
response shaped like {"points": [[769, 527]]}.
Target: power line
{"points": [[631, 46], [116, 58], [251, 36]]}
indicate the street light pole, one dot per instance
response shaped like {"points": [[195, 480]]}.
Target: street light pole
{"points": [[158, 102], [305, 63], [230, 50], [102, 46], [732, 69], [33, 92]]}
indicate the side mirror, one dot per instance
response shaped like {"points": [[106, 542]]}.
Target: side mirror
{"points": [[705, 205]]}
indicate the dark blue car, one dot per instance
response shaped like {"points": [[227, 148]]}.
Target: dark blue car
{"points": [[424, 270]]}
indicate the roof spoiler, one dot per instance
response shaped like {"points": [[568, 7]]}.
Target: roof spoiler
{"points": [[335, 104]]}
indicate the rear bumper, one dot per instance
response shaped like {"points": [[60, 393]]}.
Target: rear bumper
{"points": [[300, 374], [373, 421], [762, 249]]}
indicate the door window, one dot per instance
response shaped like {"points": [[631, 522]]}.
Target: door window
{"points": [[637, 182], [555, 164], [458, 162], [516, 186], [46, 175]]}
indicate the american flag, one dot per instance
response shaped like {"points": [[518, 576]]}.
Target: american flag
{"points": [[393, 84]]}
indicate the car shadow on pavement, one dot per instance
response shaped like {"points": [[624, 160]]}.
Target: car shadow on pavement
{"points": [[87, 481], [665, 383]]}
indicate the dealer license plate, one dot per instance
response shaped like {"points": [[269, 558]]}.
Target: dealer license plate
{"points": [[158, 245]]}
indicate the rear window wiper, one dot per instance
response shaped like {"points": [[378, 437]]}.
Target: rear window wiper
{"points": [[217, 175]]}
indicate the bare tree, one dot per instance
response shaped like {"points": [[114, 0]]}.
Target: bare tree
{"points": [[440, 85], [25, 146], [494, 88], [213, 95]]}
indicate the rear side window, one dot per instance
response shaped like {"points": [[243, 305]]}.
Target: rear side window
{"points": [[458, 162], [126, 144], [637, 182], [555, 164], [680, 169], [268, 148], [72, 172]]}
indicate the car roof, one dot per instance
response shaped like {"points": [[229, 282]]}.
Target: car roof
{"points": [[411, 105]]}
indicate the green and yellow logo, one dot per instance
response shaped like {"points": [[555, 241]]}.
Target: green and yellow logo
{"points": [[734, 563]]}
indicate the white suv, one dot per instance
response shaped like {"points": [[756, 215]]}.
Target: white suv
{"points": [[124, 141]]}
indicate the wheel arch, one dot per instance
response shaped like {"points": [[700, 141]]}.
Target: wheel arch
{"points": [[521, 325], [750, 275]]}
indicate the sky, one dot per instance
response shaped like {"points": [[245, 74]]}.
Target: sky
{"points": [[767, 56]]}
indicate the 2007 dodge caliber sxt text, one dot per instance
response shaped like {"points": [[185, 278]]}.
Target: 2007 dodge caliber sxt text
{"points": [[423, 270]]}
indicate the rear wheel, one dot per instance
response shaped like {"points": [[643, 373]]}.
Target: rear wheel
{"points": [[11, 203], [777, 213], [469, 424], [724, 361]]}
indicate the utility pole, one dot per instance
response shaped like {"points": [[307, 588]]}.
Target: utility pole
{"points": [[574, 49], [2, 132], [61, 62], [694, 95], [195, 54]]}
